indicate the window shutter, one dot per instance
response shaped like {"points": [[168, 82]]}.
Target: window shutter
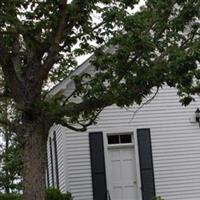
{"points": [[146, 164], [98, 166], [56, 159], [47, 173], [52, 163]]}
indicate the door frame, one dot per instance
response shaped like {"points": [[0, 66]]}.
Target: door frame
{"points": [[134, 145]]}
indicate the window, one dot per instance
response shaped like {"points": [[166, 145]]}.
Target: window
{"points": [[125, 138], [113, 139], [119, 139]]}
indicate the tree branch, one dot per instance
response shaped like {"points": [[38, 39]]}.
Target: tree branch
{"points": [[10, 74], [83, 126], [91, 30], [12, 126], [189, 39], [67, 125], [10, 32], [92, 120], [54, 48], [145, 103], [88, 105], [67, 98], [3, 95]]}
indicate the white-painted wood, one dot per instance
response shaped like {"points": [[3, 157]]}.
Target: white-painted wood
{"points": [[61, 161], [138, 178], [175, 145], [133, 146], [122, 173], [78, 165]]}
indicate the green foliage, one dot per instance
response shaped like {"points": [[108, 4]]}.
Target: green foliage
{"points": [[11, 171], [10, 197], [157, 198], [10, 155], [134, 52], [157, 45], [55, 194], [51, 194]]}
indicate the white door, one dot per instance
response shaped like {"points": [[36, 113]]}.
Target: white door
{"points": [[122, 173]]}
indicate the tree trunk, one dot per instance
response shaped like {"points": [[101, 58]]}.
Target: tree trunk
{"points": [[34, 162]]}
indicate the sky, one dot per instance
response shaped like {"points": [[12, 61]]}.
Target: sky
{"points": [[81, 59]]}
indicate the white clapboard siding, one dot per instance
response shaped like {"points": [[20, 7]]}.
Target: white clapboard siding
{"points": [[78, 165], [175, 145], [175, 142], [61, 160]]}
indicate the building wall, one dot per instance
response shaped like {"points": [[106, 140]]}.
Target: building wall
{"points": [[61, 184], [175, 145]]}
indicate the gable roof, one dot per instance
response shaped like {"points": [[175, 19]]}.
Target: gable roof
{"points": [[79, 69], [62, 85]]}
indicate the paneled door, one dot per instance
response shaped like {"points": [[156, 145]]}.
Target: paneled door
{"points": [[122, 173]]}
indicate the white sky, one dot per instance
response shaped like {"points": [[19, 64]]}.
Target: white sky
{"points": [[81, 59]]}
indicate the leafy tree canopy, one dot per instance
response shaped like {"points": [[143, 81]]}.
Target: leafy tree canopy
{"points": [[10, 154], [11, 167], [40, 39]]}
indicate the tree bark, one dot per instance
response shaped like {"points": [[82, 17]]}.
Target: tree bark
{"points": [[34, 159]]}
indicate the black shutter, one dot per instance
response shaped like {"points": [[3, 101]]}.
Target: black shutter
{"points": [[51, 160], [56, 159], [98, 166], [47, 170], [146, 164]]}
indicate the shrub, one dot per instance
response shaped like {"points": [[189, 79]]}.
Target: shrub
{"points": [[157, 198], [67, 196], [10, 197], [51, 194], [55, 194]]}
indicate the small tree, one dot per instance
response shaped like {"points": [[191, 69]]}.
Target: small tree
{"points": [[39, 41], [11, 167], [10, 157]]}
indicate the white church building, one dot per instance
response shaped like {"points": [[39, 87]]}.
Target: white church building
{"points": [[129, 155]]}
